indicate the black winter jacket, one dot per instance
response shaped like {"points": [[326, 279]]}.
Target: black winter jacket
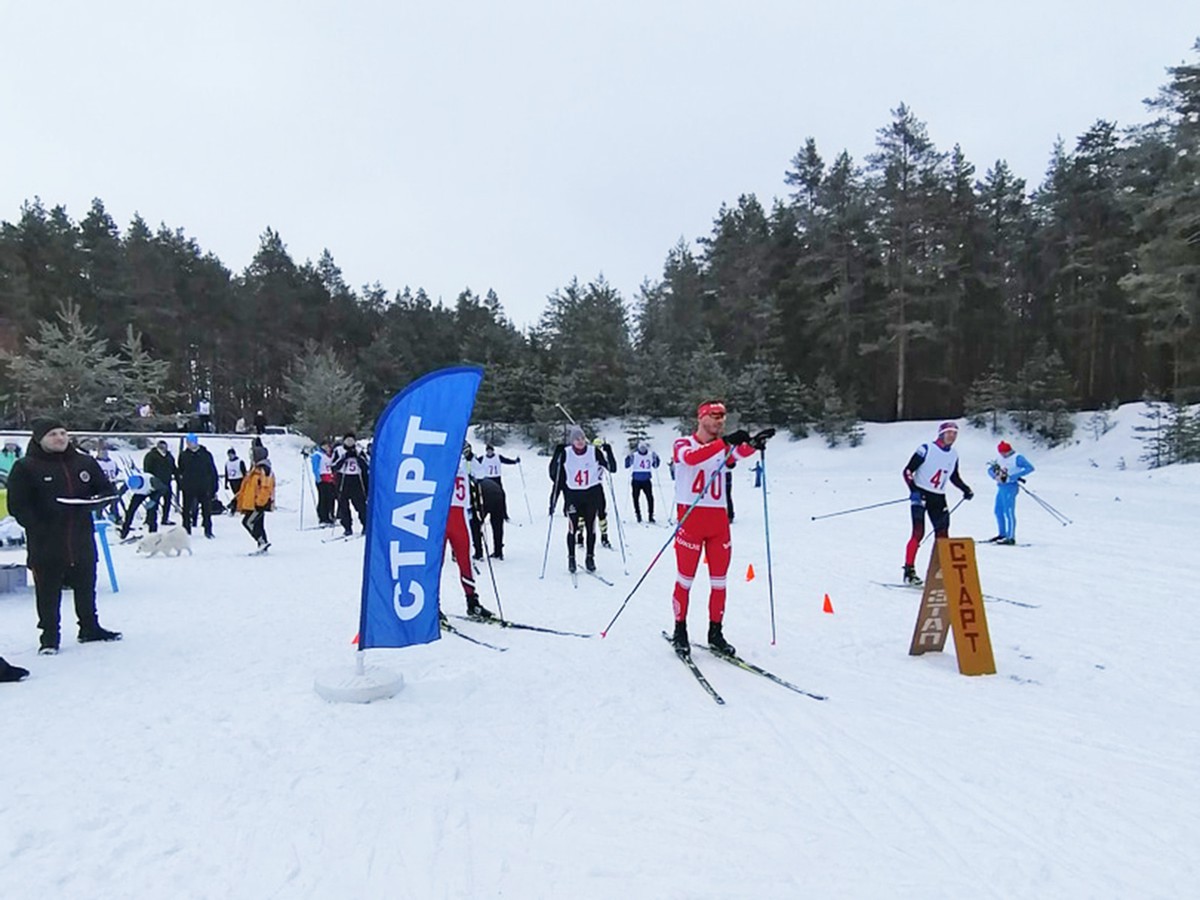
{"points": [[198, 472], [161, 466], [57, 533]]}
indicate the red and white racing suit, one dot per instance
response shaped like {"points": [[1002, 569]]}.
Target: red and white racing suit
{"points": [[457, 534], [706, 528]]}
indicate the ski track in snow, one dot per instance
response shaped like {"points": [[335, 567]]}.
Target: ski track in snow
{"points": [[193, 759]]}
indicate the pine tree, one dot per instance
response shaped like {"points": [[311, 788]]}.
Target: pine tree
{"points": [[908, 186], [988, 399], [1100, 422], [837, 417], [801, 408], [653, 380], [1152, 434], [142, 377], [585, 331], [1088, 235], [739, 303], [705, 379], [68, 371], [1045, 396], [1165, 286], [327, 399], [759, 395], [1007, 272], [825, 298], [636, 428]]}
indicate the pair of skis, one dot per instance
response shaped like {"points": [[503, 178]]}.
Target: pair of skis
{"points": [[893, 585], [501, 623], [687, 660], [342, 537], [596, 575]]}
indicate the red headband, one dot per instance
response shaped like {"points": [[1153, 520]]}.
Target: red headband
{"points": [[713, 406]]}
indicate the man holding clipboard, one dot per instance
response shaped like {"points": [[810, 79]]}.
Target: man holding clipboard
{"points": [[52, 491]]}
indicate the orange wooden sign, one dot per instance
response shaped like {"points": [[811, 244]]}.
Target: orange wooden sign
{"points": [[953, 601]]}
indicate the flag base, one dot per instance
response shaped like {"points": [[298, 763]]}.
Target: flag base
{"points": [[364, 684]]}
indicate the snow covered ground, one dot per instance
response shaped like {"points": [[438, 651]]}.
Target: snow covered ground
{"points": [[194, 758]]}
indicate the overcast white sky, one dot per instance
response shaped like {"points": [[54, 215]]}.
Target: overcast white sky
{"points": [[516, 145]]}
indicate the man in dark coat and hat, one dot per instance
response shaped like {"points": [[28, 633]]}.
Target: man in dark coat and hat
{"points": [[52, 491], [161, 464], [198, 484]]}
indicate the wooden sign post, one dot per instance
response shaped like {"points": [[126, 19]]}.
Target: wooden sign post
{"points": [[953, 601]]}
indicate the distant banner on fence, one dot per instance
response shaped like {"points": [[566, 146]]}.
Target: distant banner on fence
{"points": [[414, 459]]}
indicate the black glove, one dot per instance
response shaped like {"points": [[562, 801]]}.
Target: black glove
{"points": [[968, 494], [759, 441], [741, 436]]}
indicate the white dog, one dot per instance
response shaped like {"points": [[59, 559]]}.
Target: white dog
{"points": [[164, 541]]}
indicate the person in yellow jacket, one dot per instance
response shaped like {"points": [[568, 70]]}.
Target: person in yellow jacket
{"points": [[256, 497]]}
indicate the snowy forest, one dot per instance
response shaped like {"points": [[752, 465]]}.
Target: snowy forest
{"points": [[904, 285]]}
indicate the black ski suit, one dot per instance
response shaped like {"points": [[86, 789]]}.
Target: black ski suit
{"points": [[350, 471]]}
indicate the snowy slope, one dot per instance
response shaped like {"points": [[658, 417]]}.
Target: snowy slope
{"points": [[194, 759]]}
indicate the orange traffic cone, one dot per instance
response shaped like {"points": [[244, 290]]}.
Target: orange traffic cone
{"points": [[750, 572], [828, 607]]}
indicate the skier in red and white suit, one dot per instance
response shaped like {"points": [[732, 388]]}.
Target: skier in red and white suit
{"points": [[706, 528], [458, 536]]}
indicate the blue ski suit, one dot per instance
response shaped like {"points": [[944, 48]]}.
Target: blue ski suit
{"points": [[1006, 475]]}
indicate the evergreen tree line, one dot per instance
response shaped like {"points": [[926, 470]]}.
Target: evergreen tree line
{"points": [[902, 286]]}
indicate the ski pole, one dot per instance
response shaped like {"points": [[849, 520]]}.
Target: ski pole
{"points": [[717, 473], [612, 490], [662, 498], [767, 527], [525, 492], [487, 555], [1046, 506], [846, 512], [303, 491], [948, 515], [549, 529]]}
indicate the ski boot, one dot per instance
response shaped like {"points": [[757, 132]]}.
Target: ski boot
{"points": [[910, 576], [475, 609], [717, 642], [589, 563], [571, 564], [679, 640]]}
